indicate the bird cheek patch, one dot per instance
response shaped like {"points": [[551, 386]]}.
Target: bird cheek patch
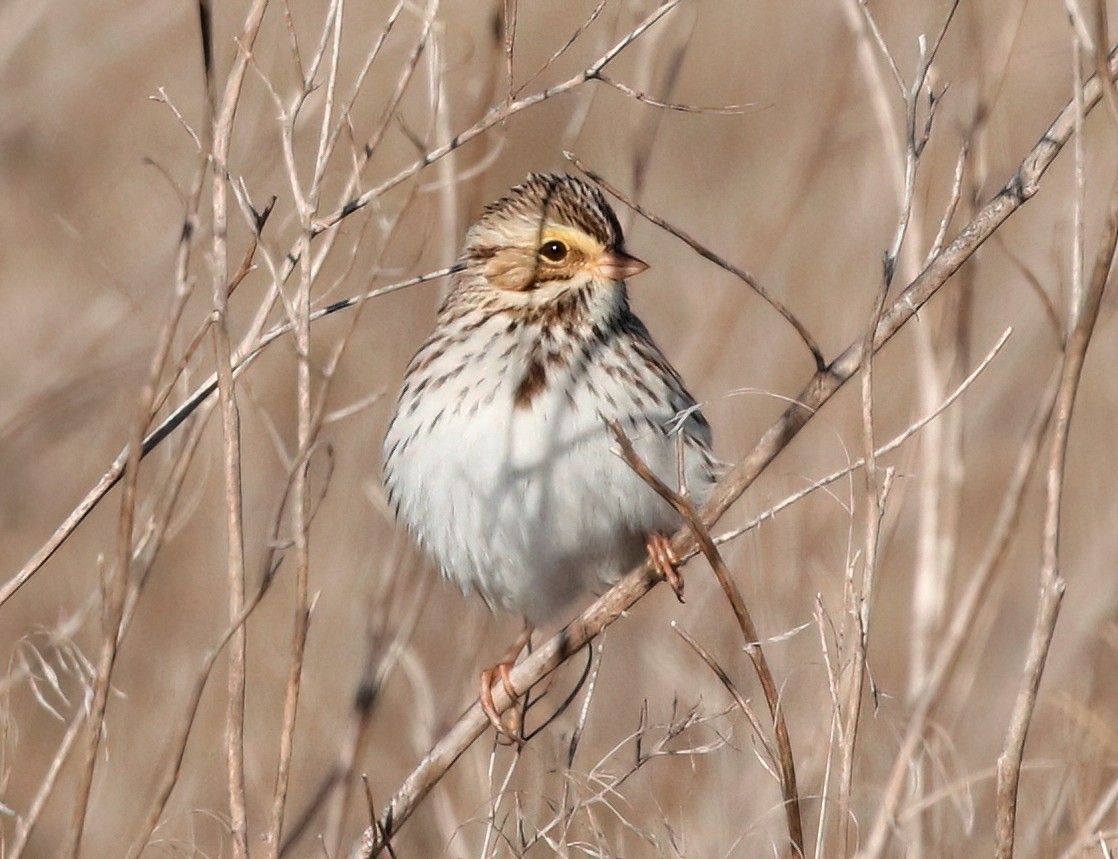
{"points": [[511, 270]]}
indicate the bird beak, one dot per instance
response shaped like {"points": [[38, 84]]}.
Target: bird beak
{"points": [[618, 265]]}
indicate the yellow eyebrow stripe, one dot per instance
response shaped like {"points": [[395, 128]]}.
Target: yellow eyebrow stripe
{"points": [[572, 237]]}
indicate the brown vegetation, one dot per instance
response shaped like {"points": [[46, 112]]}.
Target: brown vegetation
{"points": [[922, 552]]}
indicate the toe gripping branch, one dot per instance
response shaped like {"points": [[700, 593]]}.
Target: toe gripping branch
{"points": [[512, 730], [660, 552]]}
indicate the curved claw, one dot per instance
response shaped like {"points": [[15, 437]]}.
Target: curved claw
{"points": [[512, 730], [664, 560]]}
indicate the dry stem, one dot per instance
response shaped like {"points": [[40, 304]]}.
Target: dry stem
{"points": [[1084, 315]]}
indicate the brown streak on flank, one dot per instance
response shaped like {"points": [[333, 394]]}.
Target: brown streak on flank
{"points": [[433, 354], [535, 377], [480, 320]]}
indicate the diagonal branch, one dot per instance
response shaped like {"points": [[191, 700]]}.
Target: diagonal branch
{"points": [[1051, 580], [707, 254], [748, 629]]}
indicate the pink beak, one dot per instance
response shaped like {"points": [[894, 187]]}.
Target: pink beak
{"points": [[618, 265]]}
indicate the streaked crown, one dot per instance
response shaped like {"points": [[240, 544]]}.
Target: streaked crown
{"points": [[542, 199]]}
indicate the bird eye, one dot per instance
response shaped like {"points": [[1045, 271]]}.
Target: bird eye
{"points": [[554, 251]]}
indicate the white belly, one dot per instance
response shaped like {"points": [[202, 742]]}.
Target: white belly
{"points": [[531, 505]]}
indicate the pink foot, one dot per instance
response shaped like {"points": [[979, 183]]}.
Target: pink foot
{"points": [[664, 560]]}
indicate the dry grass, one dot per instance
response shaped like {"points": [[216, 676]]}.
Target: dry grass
{"points": [[939, 617]]}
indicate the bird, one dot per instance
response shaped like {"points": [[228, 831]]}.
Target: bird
{"points": [[500, 458]]}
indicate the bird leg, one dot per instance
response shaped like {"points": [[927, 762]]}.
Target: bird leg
{"points": [[502, 670], [664, 560]]}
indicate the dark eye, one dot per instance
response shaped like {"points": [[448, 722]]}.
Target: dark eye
{"points": [[554, 251]]}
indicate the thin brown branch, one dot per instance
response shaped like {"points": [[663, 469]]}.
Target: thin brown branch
{"points": [[1051, 579], [566, 46], [230, 427], [961, 626], [739, 700], [707, 254], [508, 34], [300, 524], [644, 98], [497, 115], [859, 599], [701, 535], [1037, 288], [407, 71]]}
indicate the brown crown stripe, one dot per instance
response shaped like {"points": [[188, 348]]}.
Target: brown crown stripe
{"points": [[565, 198]]}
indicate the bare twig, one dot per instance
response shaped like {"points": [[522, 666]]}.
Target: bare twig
{"points": [[566, 46], [707, 254], [1084, 316], [859, 598], [739, 699], [495, 116], [959, 629], [231, 429], [748, 630], [643, 98]]}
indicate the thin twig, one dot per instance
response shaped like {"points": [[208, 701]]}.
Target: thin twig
{"points": [[566, 46], [643, 98], [1084, 316], [231, 430], [859, 599], [498, 114], [739, 699], [961, 625], [707, 254], [748, 629]]}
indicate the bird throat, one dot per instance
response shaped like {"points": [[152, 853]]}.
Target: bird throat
{"points": [[564, 333]]}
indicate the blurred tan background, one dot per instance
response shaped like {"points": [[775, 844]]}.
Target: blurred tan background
{"points": [[799, 187]]}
